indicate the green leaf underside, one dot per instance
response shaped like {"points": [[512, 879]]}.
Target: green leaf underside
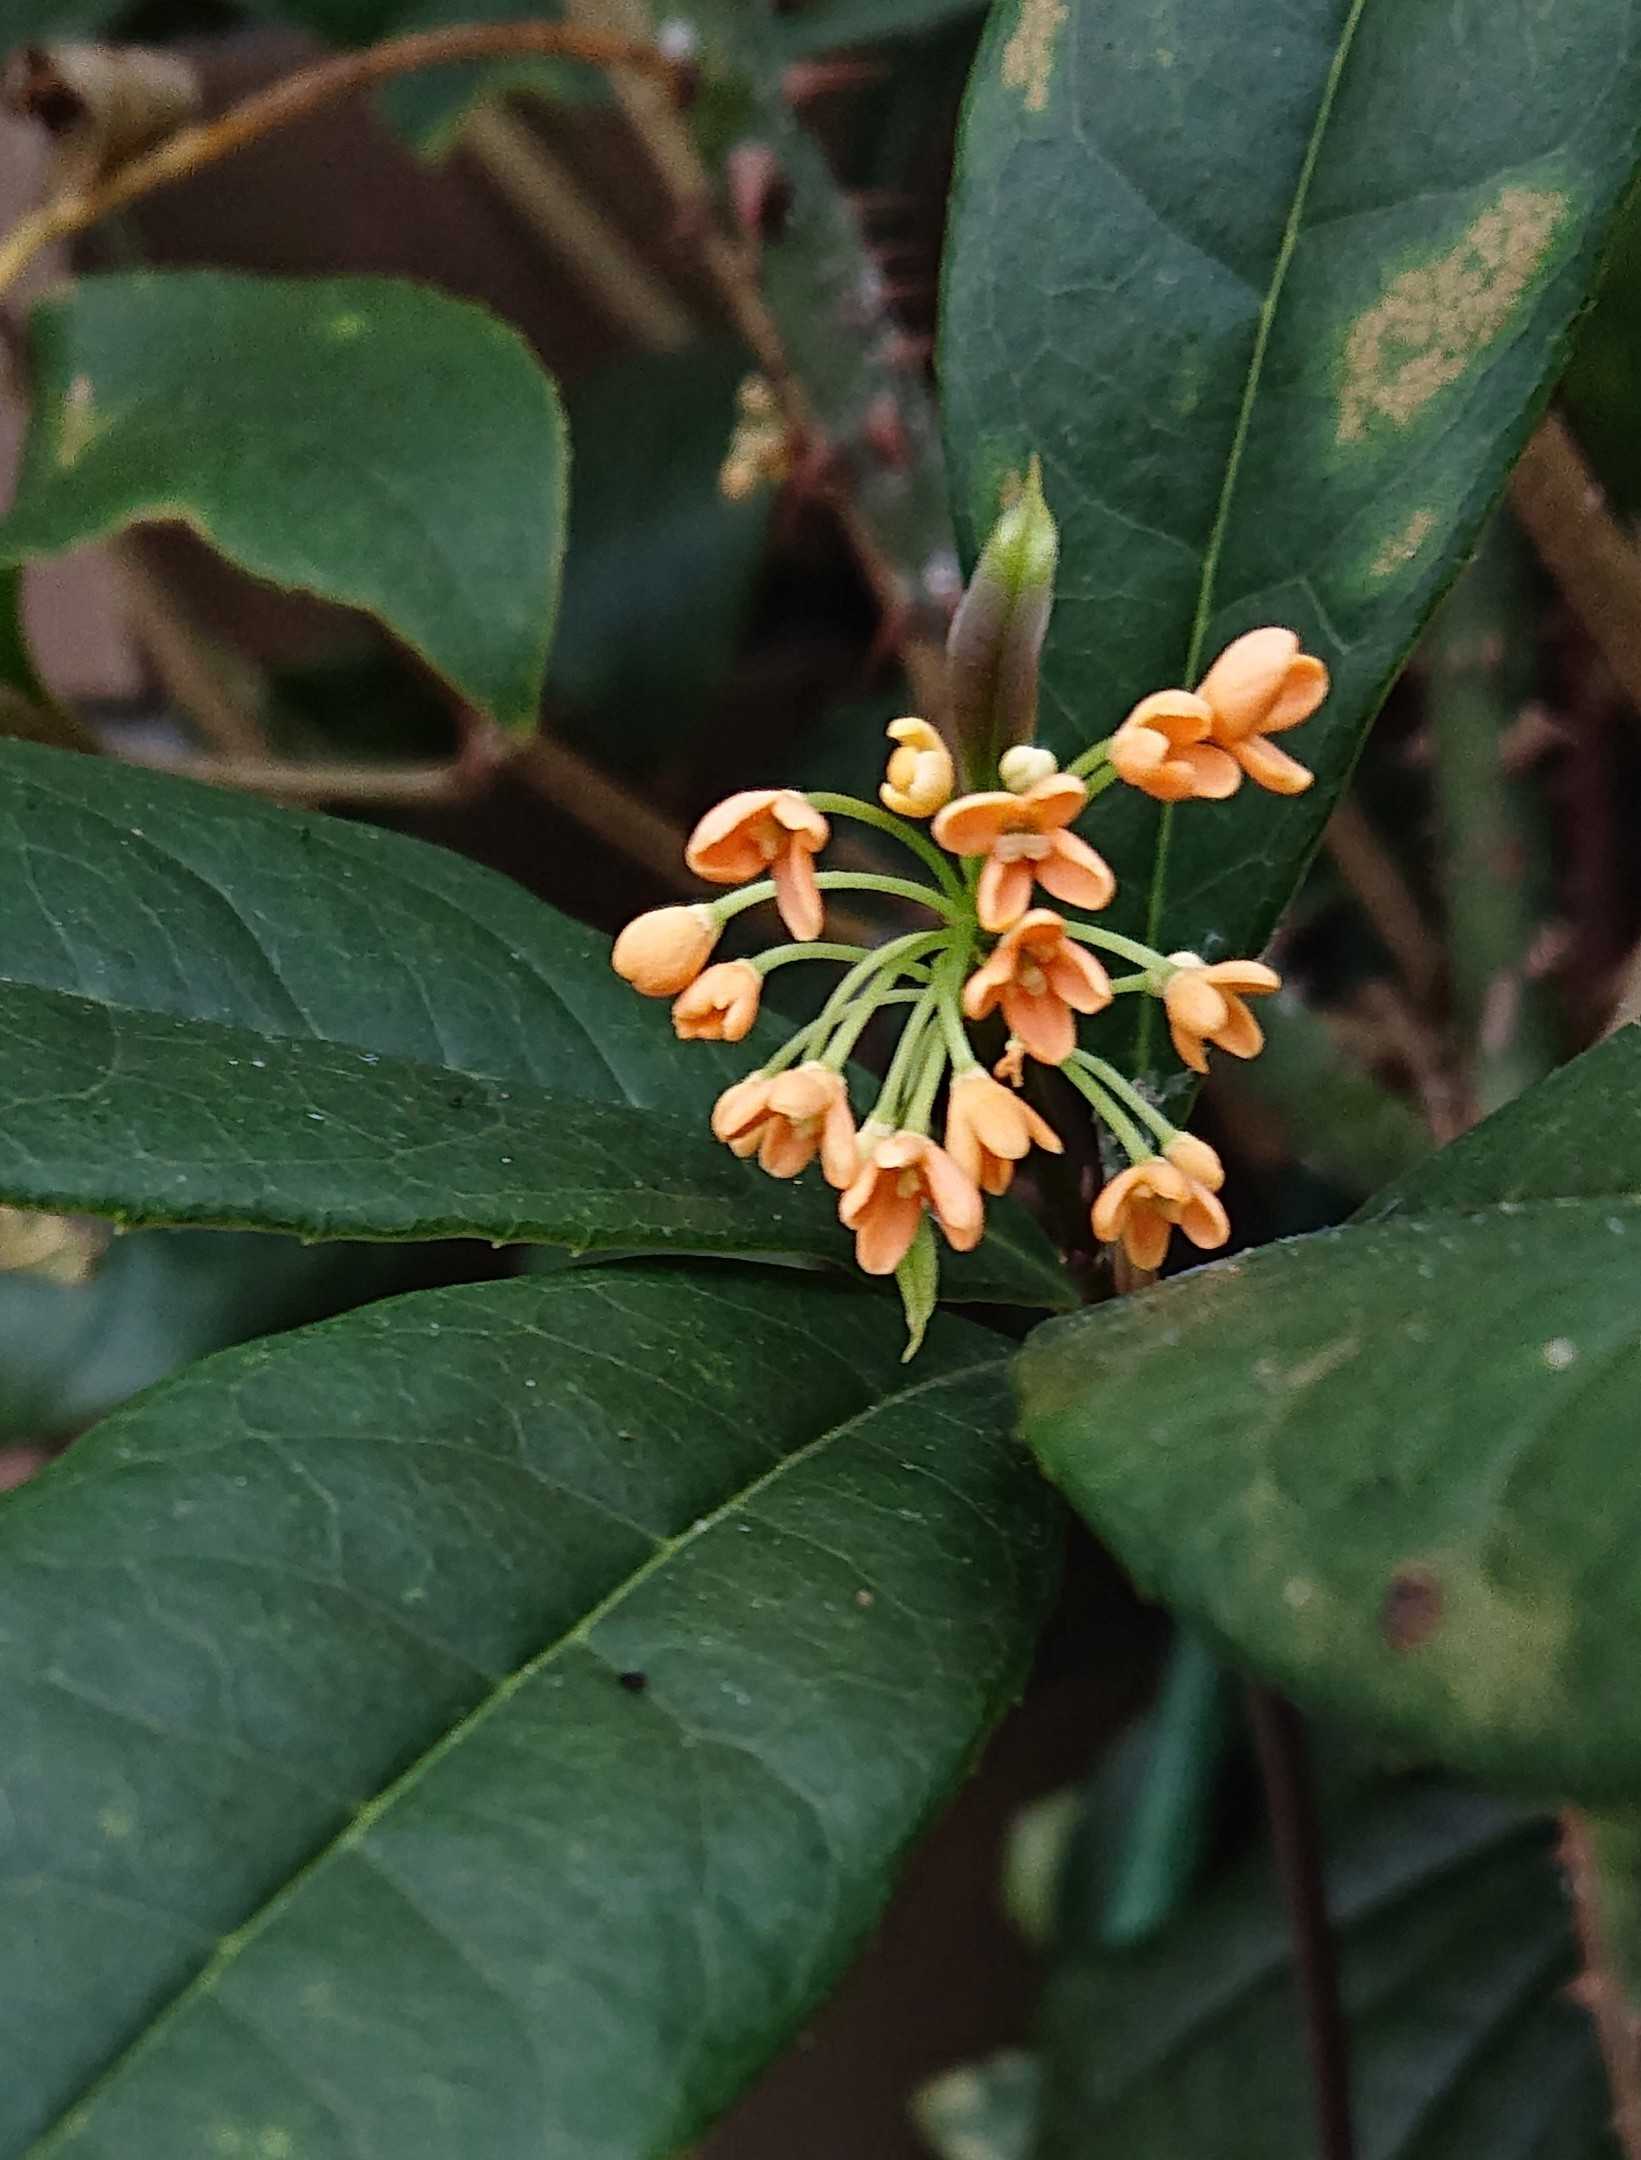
{"points": [[1455, 1951], [336, 1828], [1391, 1466], [377, 443], [1308, 274], [223, 1014]]}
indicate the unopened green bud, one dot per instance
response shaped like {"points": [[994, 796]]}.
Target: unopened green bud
{"points": [[997, 634]]}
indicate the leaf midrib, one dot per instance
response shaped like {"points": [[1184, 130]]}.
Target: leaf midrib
{"points": [[206, 1980], [1157, 898]]}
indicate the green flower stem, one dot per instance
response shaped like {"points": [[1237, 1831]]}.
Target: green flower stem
{"points": [[780, 955], [898, 828], [1127, 1093], [949, 974], [1096, 755], [904, 1060], [1138, 1148], [750, 896], [1126, 948], [1124, 985], [920, 1109], [871, 1000]]}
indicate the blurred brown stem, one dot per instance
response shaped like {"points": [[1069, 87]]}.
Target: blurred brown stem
{"points": [[191, 149], [1583, 546], [1601, 1987]]}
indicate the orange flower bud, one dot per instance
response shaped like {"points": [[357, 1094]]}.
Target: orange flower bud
{"points": [[662, 952]]}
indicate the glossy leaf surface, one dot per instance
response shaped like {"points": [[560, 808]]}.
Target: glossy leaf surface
{"points": [[370, 441], [486, 1723], [1298, 279]]}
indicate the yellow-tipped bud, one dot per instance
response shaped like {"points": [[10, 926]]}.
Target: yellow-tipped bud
{"points": [[1023, 766], [920, 779], [662, 952]]}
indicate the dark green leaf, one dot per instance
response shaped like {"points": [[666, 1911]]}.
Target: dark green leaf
{"points": [[225, 1014], [1456, 1952], [487, 1723], [1392, 1467], [1276, 294], [376, 443], [1575, 1136]]}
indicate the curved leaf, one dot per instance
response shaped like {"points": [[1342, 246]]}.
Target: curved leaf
{"points": [[486, 1723], [1392, 1466], [1455, 1951], [1297, 280], [374, 442]]}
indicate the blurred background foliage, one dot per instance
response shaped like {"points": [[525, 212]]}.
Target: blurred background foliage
{"points": [[1471, 919]]}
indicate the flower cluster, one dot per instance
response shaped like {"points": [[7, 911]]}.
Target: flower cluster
{"points": [[1008, 887]]}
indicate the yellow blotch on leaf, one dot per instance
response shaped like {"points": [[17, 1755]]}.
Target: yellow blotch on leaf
{"points": [[1432, 322], [1401, 547], [1028, 57]]}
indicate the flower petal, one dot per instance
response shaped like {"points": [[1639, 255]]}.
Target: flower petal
{"points": [[1248, 976], [955, 1199], [1215, 773], [1243, 683], [1204, 1220], [1241, 1034], [1270, 767], [797, 896], [1054, 801], [1304, 689], [1043, 1023], [725, 848], [975, 823], [1003, 894], [886, 1230], [1077, 976], [1074, 873], [1145, 1236], [986, 985], [740, 1107], [1177, 716]]}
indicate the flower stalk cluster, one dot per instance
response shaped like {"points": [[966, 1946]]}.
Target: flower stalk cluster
{"points": [[1010, 891]]}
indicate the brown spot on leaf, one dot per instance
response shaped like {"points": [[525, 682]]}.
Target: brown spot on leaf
{"points": [[1431, 322], [1028, 57], [1412, 1608]]}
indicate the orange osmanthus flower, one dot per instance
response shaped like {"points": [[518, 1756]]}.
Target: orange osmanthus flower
{"points": [[1205, 1005], [761, 830], [1024, 839], [662, 952], [1163, 749], [989, 1129], [901, 1176], [1041, 978], [789, 1118], [720, 1005], [1259, 686], [1141, 1206]]}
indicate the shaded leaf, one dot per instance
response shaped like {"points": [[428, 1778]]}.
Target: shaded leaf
{"points": [[224, 1015], [1455, 1951], [1297, 281], [71, 1352], [486, 1723], [373, 442], [822, 25], [1391, 1466]]}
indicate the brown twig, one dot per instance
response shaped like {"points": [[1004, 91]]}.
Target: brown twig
{"points": [[1583, 546], [191, 149], [1600, 1989], [1385, 897], [398, 786], [732, 265], [1296, 1844]]}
